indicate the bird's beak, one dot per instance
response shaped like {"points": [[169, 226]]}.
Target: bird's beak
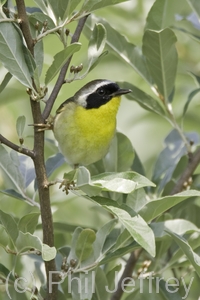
{"points": [[121, 92]]}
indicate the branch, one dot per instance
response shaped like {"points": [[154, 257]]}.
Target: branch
{"points": [[193, 162], [39, 164], [61, 77], [24, 24], [127, 274], [15, 147]]}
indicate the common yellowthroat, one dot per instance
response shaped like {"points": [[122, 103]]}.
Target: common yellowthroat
{"points": [[85, 124]]}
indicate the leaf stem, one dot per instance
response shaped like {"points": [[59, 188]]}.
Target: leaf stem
{"points": [[177, 127], [7, 20]]}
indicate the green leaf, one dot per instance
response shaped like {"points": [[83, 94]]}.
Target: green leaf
{"points": [[103, 201], [13, 54], [10, 165], [12, 193], [178, 226], [4, 238], [157, 206], [48, 253], [190, 97], [144, 100], [26, 242], [72, 4], [170, 156], [101, 283], [96, 45], [5, 81], [137, 165], [111, 240], [119, 253], [59, 60], [195, 5], [20, 125], [72, 254], [27, 169], [111, 276], [84, 182], [87, 284], [160, 52], [41, 18], [137, 199], [28, 222], [5, 273], [124, 182], [162, 14], [166, 289], [42, 5], [30, 61], [120, 155], [91, 5], [137, 228], [115, 183], [178, 255], [39, 60], [54, 162], [101, 236], [84, 245], [119, 45], [195, 77], [59, 8], [2, 2], [187, 250], [123, 240], [10, 225], [189, 26], [125, 152]]}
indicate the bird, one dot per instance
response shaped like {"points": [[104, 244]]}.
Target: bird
{"points": [[85, 124]]}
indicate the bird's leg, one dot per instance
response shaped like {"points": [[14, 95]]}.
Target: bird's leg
{"points": [[45, 126]]}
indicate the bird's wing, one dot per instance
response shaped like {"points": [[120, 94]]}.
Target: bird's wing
{"points": [[62, 106]]}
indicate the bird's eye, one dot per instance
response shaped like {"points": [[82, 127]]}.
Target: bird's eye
{"points": [[101, 92]]}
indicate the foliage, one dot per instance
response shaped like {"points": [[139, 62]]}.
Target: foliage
{"points": [[144, 198]]}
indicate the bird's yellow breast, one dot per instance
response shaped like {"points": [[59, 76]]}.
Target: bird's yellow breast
{"points": [[84, 135]]}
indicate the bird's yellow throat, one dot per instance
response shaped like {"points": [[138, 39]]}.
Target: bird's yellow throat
{"points": [[84, 135], [100, 120]]}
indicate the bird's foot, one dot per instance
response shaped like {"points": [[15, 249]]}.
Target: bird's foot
{"points": [[44, 126]]}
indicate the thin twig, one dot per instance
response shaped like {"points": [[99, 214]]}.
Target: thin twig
{"points": [[127, 274], [7, 20], [193, 162], [61, 78], [17, 148]]}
